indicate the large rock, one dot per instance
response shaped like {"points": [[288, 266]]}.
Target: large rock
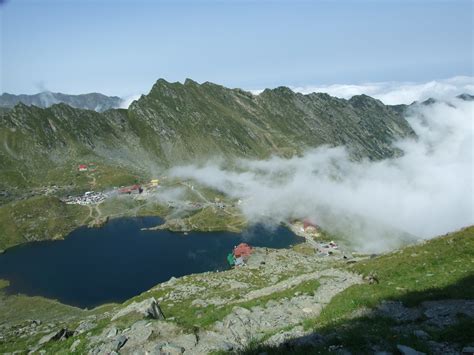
{"points": [[75, 345], [149, 308], [111, 346], [83, 327], [119, 342], [138, 334], [421, 334], [406, 350], [170, 349], [61, 334]]}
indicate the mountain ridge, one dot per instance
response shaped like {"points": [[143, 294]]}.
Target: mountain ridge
{"points": [[184, 122], [91, 101]]}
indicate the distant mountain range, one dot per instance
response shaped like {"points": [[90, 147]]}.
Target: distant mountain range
{"points": [[180, 123], [93, 101]]}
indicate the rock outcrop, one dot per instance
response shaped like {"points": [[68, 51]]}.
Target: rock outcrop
{"points": [[148, 308]]}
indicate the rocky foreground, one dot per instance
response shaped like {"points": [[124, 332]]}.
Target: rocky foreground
{"points": [[261, 298], [272, 301]]}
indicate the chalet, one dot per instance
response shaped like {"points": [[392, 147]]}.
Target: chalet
{"points": [[135, 189]]}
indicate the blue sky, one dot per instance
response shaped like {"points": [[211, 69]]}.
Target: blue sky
{"points": [[123, 47]]}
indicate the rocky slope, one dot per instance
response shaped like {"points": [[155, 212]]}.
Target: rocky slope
{"points": [[92, 101]]}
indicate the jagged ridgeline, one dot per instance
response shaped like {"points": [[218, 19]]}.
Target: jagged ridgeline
{"points": [[93, 101], [180, 123]]}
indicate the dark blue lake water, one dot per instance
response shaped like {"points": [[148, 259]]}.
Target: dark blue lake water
{"points": [[111, 264]]}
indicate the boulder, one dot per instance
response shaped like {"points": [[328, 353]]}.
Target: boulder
{"points": [[421, 334], [47, 338], [171, 349], [138, 334], [35, 322], [111, 346], [406, 350], [75, 345], [112, 332], [84, 327], [61, 334], [118, 343], [149, 308]]}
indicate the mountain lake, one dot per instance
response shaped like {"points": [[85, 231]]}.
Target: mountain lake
{"points": [[93, 266]]}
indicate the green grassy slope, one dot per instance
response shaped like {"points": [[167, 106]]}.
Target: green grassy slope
{"points": [[174, 124], [38, 218], [433, 270], [442, 268], [177, 123]]}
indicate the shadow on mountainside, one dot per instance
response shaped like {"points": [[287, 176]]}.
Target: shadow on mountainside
{"points": [[434, 321]]}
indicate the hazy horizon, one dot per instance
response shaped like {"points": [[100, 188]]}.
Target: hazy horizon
{"points": [[121, 48], [390, 93]]}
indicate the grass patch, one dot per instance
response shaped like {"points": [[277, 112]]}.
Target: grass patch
{"points": [[304, 249], [38, 218], [437, 269], [211, 219], [17, 308], [306, 287]]}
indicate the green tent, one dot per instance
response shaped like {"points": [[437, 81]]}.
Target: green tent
{"points": [[231, 259]]}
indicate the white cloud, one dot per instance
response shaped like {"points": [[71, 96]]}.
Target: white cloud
{"points": [[126, 101], [393, 93], [426, 192]]}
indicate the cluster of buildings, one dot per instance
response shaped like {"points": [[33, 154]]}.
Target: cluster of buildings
{"points": [[89, 198]]}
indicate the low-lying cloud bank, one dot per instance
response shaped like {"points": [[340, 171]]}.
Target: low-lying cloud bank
{"points": [[376, 205], [394, 93]]}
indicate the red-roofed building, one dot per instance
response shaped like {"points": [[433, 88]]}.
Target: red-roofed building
{"points": [[82, 167], [242, 250], [131, 189]]}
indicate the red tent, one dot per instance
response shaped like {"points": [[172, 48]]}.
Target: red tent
{"points": [[243, 249]]}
